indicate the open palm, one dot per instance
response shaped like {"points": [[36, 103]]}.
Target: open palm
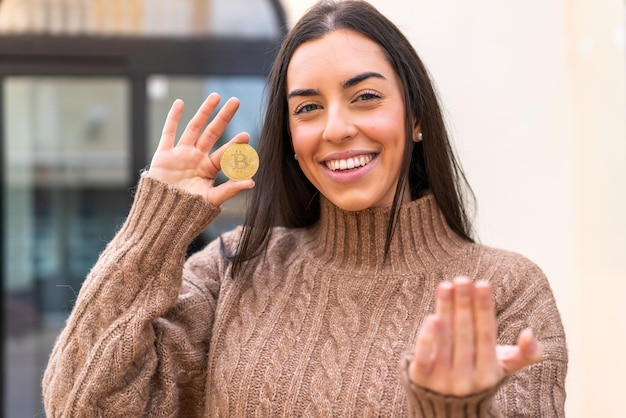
{"points": [[188, 164]]}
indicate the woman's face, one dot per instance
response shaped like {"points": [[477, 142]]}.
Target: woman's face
{"points": [[347, 119]]}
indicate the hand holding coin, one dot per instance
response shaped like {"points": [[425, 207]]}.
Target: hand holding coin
{"points": [[239, 162], [190, 164]]}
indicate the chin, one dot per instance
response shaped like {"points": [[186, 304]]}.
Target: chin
{"points": [[353, 208], [353, 205]]}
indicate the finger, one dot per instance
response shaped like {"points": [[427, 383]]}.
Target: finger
{"points": [[212, 166], [214, 130], [463, 331], [530, 347], [228, 190], [198, 121], [424, 353], [485, 334], [445, 311], [168, 134]]}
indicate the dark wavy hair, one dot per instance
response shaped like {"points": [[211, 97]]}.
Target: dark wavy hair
{"points": [[284, 196]]}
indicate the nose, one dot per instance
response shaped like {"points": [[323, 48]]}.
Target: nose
{"points": [[339, 125]]}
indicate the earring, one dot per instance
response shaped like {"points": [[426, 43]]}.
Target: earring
{"points": [[420, 136], [295, 156]]}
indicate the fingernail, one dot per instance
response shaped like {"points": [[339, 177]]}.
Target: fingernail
{"points": [[537, 348], [446, 284], [461, 280]]}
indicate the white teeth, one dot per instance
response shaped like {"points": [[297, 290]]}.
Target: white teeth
{"points": [[349, 163]]}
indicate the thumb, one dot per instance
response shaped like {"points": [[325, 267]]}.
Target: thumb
{"points": [[228, 190], [515, 357]]}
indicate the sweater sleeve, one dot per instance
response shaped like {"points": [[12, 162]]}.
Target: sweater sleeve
{"points": [[137, 338], [425, 403], [523, 299]]}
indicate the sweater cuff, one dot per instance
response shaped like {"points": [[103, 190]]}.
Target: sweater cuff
{"points": [[431, 404], [164, 219]]}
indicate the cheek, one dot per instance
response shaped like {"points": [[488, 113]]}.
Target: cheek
{"points": [[388, 132], [303, 140]]}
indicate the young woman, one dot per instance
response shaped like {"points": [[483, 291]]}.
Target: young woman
{"points": [[354, 287]]}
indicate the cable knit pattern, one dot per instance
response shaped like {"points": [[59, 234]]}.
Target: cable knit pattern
{"points": [[318, 326], [336, 350], [273, 372]]}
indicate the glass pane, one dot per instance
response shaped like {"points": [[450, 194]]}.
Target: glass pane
{"points": [[163, 90], [66, 171], [245, 18], [242, 18]]}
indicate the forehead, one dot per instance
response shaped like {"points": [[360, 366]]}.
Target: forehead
{"points": [[342, 53]]}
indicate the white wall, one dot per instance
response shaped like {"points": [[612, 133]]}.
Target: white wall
{"points": [[535, 94]]}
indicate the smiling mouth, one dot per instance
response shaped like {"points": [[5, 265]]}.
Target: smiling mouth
{"points": [[348, 164]]}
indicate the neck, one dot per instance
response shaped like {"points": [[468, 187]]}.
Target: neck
{"points": [[356, 240]]}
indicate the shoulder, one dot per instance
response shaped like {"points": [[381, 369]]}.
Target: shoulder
{"points": [[283, 243], [504, 265], [513, 277], [209, 265], [521, 291]]}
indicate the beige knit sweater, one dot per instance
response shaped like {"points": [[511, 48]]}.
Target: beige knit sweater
{"points": [[317, 327]]}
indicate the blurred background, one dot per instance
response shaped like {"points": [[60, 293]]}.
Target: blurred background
{"points": [[535, 99], [84, 89]]}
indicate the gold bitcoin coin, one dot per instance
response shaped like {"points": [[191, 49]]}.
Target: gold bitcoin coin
{"points": [[239, 162]]}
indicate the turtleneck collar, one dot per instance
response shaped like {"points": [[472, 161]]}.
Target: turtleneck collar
{"points": [[356, 240]]}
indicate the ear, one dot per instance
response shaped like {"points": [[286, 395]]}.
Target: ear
{"points": [[417, 133]]}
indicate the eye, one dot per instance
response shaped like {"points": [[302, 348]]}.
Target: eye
{"points": [[367, 96], [305, 108]]}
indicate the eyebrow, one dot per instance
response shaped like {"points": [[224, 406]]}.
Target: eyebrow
{"points": [[346, 84], [361, 77]]}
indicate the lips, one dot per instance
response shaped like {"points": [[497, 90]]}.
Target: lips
{"points": [[350, 163]]}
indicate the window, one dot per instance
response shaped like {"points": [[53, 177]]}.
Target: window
{"points": [[83, 97]]}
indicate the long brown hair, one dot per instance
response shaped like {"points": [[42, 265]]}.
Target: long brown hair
{"points": [[284, 196]]}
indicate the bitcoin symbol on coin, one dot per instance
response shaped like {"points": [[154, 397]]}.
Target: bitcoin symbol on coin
{"points": [[239, 162]]}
